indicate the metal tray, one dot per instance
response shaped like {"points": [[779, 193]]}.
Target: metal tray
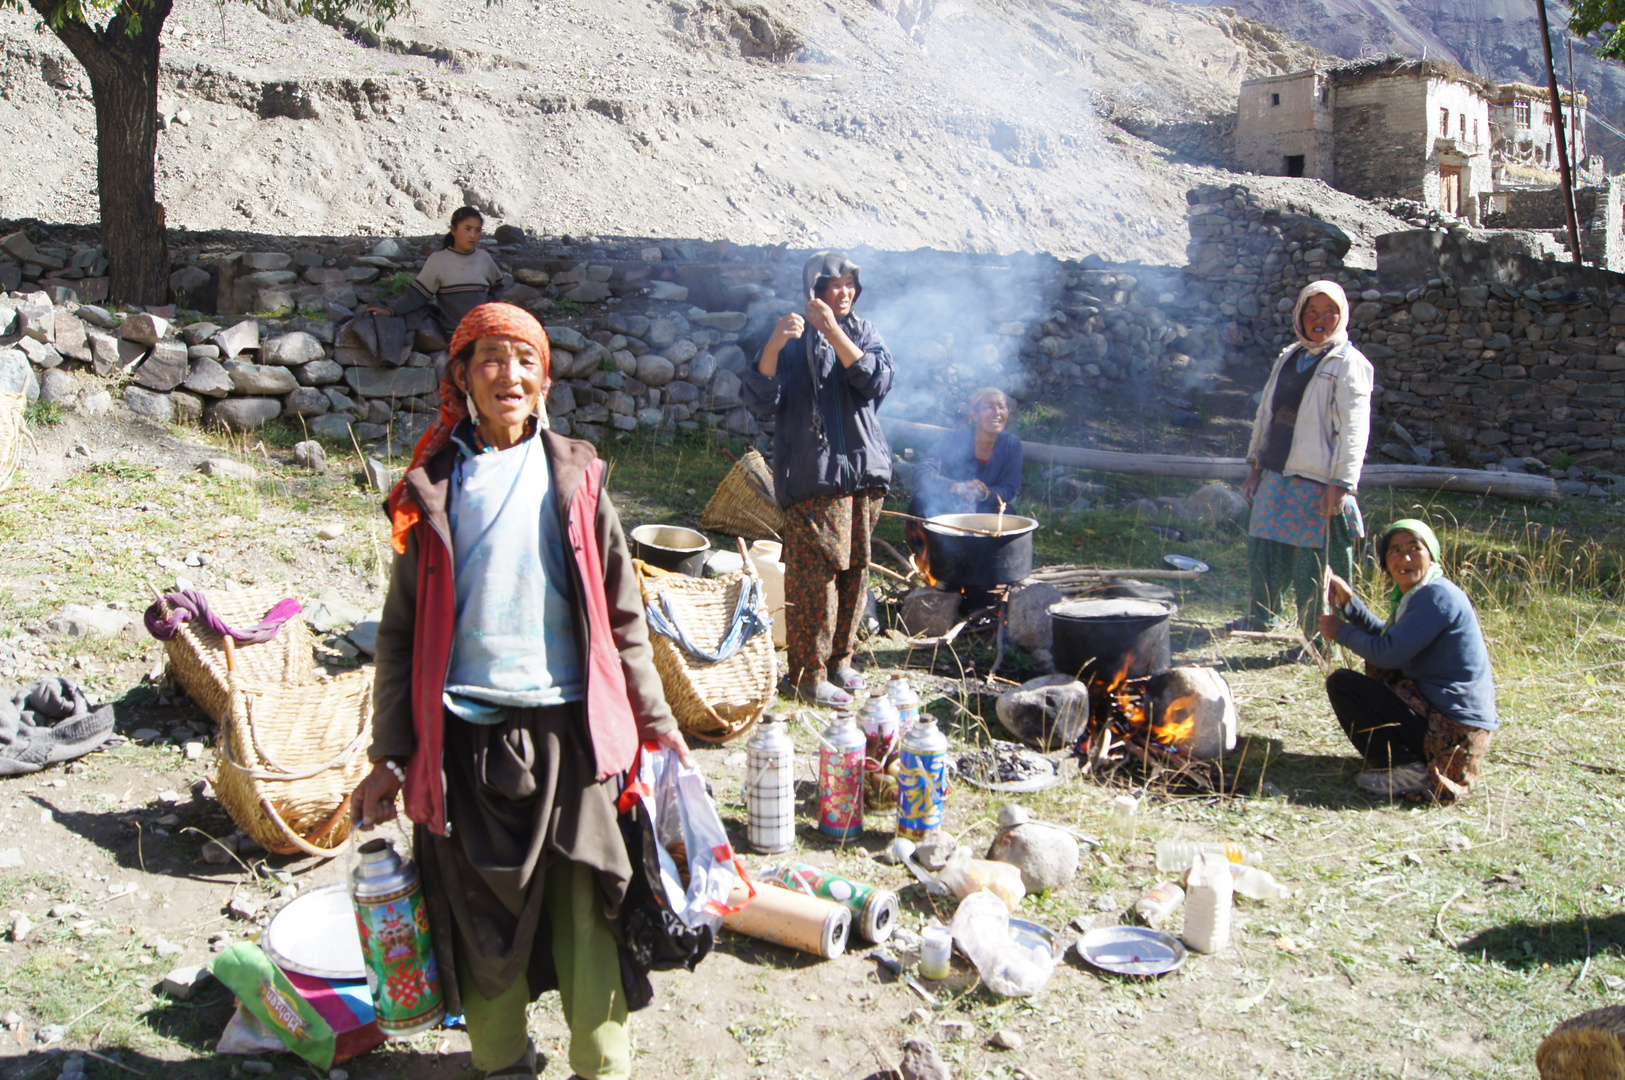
{"points": [[1033, 936], [1185, 562], [1132, 950], [316, 935]]}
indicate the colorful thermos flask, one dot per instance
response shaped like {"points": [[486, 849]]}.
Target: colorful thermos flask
{"points": [[394, 926], [840, 778], [922, 781]]}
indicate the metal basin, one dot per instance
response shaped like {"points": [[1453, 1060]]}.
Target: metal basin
{"points": [[671, 547]]}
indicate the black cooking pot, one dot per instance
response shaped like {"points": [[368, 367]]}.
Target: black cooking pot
{"points": [[1095, 638], [671, 547], [976, 561]]}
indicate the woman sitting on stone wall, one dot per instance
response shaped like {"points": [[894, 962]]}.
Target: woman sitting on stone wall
{"points": [[1307, 449], [1423, 714], [454, 281]]}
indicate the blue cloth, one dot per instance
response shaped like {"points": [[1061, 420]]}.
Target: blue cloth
{"points": [[855, 454], [747, 621], [514, 644], [953, 461], [1436, 641]]}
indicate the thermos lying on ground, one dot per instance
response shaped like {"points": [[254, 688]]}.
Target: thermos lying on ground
{"points": [[808, 923], [874, 909]]}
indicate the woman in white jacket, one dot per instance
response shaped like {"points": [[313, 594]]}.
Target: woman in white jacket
{"points": [[1307, 448]]}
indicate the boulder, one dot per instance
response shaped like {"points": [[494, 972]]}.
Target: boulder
{"points": [[228, 469], [104, 353], [334, 426], [80, 620], [208, 378], [305, 401], [930, 612], [144, 328], [198, 333], [318, 373], [565, 338], [725, 390], [188, 407], [1050, 712], [702, 370], [655, 370], [39, 354], [95, 403], [37, 320], [291, 350], [310, 455], [149, 405], [244, 413], [1216, 502], [193, 287], [1046, 857], [71, 340], [164, 368], [57, 387], [391, 382], [238, 338], [259, 378], [729, 322], [1029, 618]]}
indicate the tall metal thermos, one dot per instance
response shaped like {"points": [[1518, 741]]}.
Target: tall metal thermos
{"points": [[840, 778], [906, 700], [881, 730], [394, 928], [770, 786], [922, 781]]}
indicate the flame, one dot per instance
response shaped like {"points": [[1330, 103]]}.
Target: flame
{"points": [[923, 564], [1177, 723]]}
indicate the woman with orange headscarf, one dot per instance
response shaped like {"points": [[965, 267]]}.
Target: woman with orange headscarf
{"points": [[515, 682]]}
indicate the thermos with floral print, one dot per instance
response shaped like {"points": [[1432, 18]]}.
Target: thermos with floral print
{"points": [[881, 730], [922, 782], [907, 702], [840, 779], [874, 910], [394, 927], [770, 787]]}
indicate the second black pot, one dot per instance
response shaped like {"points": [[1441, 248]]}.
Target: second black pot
{"points": [[1094, 639]]}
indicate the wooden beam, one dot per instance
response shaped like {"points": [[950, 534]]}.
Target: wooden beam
{"points": [[1507, 485]]}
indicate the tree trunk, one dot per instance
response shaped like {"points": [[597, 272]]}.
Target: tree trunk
{"points": [[123, 69]]}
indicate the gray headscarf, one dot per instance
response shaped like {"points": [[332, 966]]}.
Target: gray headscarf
{"points": [[820, 269]]}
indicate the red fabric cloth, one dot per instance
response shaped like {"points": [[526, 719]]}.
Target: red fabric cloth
{"points": [[487, 320], [610, 718]]}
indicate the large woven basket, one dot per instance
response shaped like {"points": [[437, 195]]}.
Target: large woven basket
{"points": [[12, 432], [712, 702], [289, 757], [743, 504], [197, 656]]}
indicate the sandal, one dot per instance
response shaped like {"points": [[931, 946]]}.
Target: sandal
{"points": [[1294, 654], [847, 678], [822, 693]]}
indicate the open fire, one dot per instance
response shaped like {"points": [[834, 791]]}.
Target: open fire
{"points": [[1176, 719]]}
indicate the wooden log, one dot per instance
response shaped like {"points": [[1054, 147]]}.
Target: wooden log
{"points": [[1507, 485]]}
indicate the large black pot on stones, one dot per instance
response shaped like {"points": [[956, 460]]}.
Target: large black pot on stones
{"points": [[1097, 638], [977, 561]]}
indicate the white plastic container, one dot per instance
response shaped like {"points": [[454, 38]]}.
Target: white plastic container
{"points": [[766, 556], [1207, 909], [1257, 884], [1174, 856], [936, 952], [1124, 819]]}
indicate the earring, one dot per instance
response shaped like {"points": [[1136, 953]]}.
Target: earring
{"points": [[468, 400]]}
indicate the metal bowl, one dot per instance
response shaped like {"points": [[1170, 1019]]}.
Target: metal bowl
{"points": [[1132, 950], [1031, 935], [1185, 562]]}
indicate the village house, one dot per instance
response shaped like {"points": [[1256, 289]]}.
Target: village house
{"points": [[1387, 128]]}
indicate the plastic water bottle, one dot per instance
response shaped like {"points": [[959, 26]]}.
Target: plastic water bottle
{"points": [[1257, 884], [1173, 856], [1123, 821], [1207, 909]]}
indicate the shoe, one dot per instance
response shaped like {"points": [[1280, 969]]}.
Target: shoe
{"points": [[1294, 654], [821, 692], [848, 679], [1395, 781], [1252, 626], [523, 1069]]}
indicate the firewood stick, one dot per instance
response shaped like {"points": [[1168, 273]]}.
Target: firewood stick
{"points": [[940, 524], [907, 564], [894, 575], [1259, 635]]}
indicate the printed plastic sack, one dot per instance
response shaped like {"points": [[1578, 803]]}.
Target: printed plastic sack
{"points": [[965, 875], [265, 992], [981, 926], [673, 833]]}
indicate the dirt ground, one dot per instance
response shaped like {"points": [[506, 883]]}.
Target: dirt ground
{"points": [[1436, 943]]}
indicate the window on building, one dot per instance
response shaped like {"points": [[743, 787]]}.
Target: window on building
{"points": [[1275, 99], [1294, 164], [1520, 113], [1463, 127], [1475, 131], [1444, 123], [1325, 96]]}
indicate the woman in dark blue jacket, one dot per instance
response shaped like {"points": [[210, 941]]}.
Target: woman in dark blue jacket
{"points": [[974, 469], [822, 377], [1424, 713]]}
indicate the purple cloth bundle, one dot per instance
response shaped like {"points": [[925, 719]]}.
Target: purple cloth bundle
{"points": [[192, 604]]}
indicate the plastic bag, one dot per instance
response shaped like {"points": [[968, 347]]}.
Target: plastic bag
{"points": [[685, 825], [965, 875], [265, 991], [981, 927], [245, 1034]]}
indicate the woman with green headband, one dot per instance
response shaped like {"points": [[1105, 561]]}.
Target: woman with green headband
{"points": [[1423, 714]]}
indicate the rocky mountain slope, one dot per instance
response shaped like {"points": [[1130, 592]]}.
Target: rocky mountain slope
{"points": [[900, 123], [1496, 38]]}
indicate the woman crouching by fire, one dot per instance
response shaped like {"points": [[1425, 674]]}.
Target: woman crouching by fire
{"points": [[515, 681], [974, 469], [1306, 453], [1423, 714], [822, 377]]}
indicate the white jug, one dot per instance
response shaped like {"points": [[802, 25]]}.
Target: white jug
{"points": [[765, 556]]}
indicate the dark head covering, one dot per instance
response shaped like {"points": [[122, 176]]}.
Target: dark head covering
{"points": [[824, 267]]}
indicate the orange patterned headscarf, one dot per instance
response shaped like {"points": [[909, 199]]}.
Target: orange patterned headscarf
{"points": [[487, 320]]}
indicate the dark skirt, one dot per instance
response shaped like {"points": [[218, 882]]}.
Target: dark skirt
{"points": [[519, 794]]}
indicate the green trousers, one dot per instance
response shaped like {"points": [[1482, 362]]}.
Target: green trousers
{"points": [[589, 969], [1274, 569]]}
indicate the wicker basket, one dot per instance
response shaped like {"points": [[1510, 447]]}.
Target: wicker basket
{"points": [[289, 757], [712, 702], [744, 505], [12, 433], [197, 656]]}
